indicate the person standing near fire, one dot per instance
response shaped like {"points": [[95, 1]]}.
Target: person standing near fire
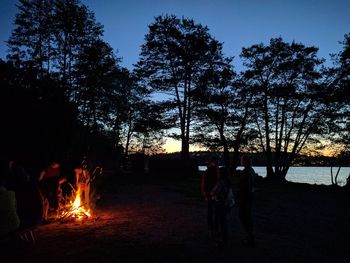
{"points": [[83, 180], [245, 199], [49, 182], [209, 180]]}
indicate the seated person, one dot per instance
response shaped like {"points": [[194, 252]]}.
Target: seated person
{"points": [[9, 220], [28, 198]]}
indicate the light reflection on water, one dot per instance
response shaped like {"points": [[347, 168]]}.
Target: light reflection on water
{"points": [[310, 175]]}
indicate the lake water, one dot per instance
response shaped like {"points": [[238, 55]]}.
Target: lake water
{"points": [[310, 175]]}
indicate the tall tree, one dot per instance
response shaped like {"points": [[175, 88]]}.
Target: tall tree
{"points": [[58, 44], [133, 119], [223, 111], [39, 122], [150, 126], [288, 100], [30, 42], [117, 104], [75, 29], [95, 71], [175, 55], [343, 91], [338, 82], [49, 35]]}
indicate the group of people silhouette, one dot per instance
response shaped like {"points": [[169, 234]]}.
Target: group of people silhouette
{"points": [[220, 196], [27, 200]]}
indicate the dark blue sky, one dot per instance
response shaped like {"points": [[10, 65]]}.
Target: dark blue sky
{"points": [[237, 23]]}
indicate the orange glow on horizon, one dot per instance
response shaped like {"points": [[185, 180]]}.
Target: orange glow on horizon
{"points": [[172, 146]]}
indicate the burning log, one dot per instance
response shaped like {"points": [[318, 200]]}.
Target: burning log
{"points": [[77, 207]]}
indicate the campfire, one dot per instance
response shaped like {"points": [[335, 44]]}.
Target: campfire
{"points": [[75, 208], [77, 205]]}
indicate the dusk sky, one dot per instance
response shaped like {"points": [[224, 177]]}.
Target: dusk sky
{"points": [[236, 23]]}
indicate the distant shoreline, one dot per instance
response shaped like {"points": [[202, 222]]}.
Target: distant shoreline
{"points": [[320, 175]]}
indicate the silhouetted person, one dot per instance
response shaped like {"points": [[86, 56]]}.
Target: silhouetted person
{"points": [[49, 183], [245, 199], [29, 199], [219, 197], [209, 180], [9, 220]]}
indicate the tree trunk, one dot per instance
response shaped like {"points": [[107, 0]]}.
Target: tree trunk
{"points": [[226, 150], [185, 150], [269, 170], [335, 180], [128, 138], [332, 181], [235, 158], [336, 176], [347, 185], [227, 159], [282, 174], [269, 167]]}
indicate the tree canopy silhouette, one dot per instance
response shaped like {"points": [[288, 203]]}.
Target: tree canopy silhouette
{"points": [[64, 91], [288, 100], [176, 54]]}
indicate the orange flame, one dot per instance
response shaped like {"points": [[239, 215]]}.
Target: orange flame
{"points": [[75, 209]]}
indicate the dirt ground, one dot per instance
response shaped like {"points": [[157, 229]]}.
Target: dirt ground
{"points": [[166, 222]]}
